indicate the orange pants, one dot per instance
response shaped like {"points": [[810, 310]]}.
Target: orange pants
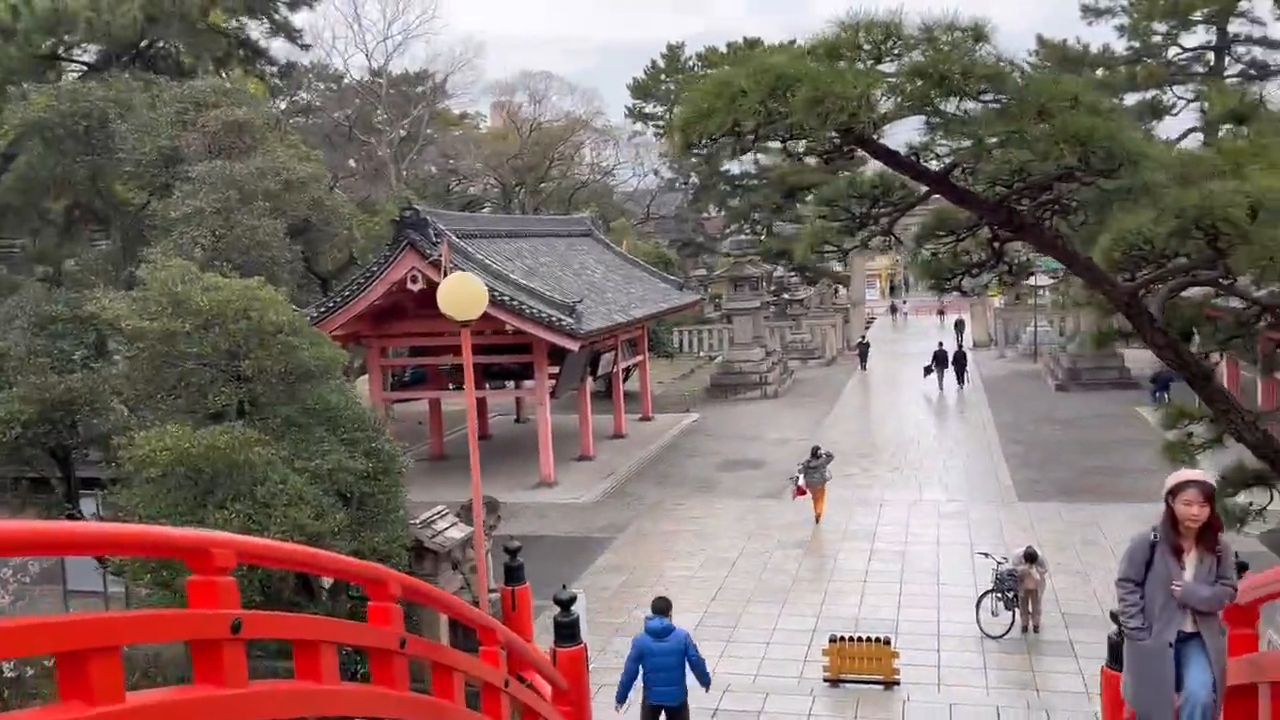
{"points": [[819, 495]]}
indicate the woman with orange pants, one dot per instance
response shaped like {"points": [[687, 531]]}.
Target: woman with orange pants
{"points": [[816, 473]]}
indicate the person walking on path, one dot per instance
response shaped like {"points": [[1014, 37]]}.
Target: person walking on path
{"points": [[960, 366], [816, 470], [661, 653], [959, 326], [942, 312], [1161, 385], [893, 310], [1171, 587], [905, 312], [1032, 573], [939, 362], [863, 348]]}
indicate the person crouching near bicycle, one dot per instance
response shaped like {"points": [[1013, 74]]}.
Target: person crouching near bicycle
{"points": [[1032, 574], [1173, 582]]}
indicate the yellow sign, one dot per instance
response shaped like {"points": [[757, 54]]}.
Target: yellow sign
{"points": [[860, 660]]}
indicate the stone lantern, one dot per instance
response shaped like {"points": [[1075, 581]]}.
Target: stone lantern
{"points": [[749, 368], [799, 346], [440, 555]]}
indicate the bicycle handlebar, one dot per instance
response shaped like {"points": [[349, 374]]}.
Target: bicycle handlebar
{"points": [[1000, 559]]}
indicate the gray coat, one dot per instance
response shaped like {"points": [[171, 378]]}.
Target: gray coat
{"points": [[1151, 618], [815, 470]]}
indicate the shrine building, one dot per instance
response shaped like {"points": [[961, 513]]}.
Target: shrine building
{"points": [[565, 304]]}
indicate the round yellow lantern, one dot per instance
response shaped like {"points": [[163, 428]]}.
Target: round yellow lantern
{"points": [[462, 297]]}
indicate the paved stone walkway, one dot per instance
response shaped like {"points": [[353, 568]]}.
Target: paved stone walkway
{"points": [[920, 485]]}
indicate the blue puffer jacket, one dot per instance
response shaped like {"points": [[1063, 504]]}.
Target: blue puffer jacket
{"points": [[662, 651]]}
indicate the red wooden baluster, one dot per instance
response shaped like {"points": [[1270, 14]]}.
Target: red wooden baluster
{"points": [[494, 701], [388, 668], [223, 663], [93, 677]]}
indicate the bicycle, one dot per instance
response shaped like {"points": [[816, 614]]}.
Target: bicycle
{"points": [[999, 603]]}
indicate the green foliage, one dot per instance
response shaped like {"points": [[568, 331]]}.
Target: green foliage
{"points": [[57, 406], [655, 256], [51, 41], [661, 342], [623, 234], [1203, 61], [201, 169], [249, 426]]}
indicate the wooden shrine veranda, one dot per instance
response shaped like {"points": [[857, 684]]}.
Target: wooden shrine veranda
{"points": [[565, 306]]}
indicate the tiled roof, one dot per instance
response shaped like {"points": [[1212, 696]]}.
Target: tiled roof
{"points": [[558, 271]]}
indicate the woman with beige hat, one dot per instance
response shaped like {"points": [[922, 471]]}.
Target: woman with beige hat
{"points": [[1173, 583]]}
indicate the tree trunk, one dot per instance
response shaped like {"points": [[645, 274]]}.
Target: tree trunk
{"points": [[1240, 423], [64, 461]]}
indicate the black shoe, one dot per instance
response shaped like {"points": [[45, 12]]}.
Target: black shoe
{"points": [[1024, 630], [1036, 629]]}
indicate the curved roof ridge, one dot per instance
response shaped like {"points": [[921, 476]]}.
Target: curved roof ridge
{"points": [[494, 273]]}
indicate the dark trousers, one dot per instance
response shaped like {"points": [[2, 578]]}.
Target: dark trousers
{"points": [[962, 374], [959, 337], [862, 361], [653, 712]]}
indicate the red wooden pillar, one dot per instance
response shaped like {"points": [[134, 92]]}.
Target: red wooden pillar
{"points": [[586, 423], [1231, 374], [482, 408], [377, 380], [646, 380], [619, 399], [435, 422], [542, 410]]}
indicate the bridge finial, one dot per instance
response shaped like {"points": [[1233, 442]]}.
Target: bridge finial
{"points": [[566, 625]]}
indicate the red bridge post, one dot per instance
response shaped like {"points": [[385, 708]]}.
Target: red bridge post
{"points": [[1112, 696], [569, 655], [1241, 702], [517, 595]]}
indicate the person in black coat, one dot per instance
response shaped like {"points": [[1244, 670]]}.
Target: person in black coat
{"points": [[940, 361], [960, 365], [864, 351]]}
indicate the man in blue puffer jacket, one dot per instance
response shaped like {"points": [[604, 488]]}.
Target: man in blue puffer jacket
{"points": [[662, 651]]}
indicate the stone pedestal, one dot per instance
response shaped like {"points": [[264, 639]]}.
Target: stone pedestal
{"points": [[1039, 334], [750, 373], [1086, 367], [1098, 370]]}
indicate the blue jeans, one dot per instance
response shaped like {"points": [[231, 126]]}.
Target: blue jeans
{"points": [[1194, 677]]}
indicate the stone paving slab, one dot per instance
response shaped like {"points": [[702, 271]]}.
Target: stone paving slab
{"points": [[509, 461], [920, 484], [1071, 447]]}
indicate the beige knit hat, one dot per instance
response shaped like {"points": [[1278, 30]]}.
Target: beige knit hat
{"points": [[1187, 475]]}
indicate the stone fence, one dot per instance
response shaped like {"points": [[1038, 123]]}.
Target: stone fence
{"points": [[827, 331]]}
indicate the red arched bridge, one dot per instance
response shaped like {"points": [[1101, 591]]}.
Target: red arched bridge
{"points": [[514, 676]]}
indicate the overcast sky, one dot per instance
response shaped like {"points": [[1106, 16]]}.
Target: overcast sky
{"points": [[604, 43]]}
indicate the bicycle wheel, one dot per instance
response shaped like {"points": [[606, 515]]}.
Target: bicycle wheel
{"points": [[994, 619]]}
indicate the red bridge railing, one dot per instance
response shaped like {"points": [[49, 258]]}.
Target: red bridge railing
{"points": [[1253, 676], [88, 648]]}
